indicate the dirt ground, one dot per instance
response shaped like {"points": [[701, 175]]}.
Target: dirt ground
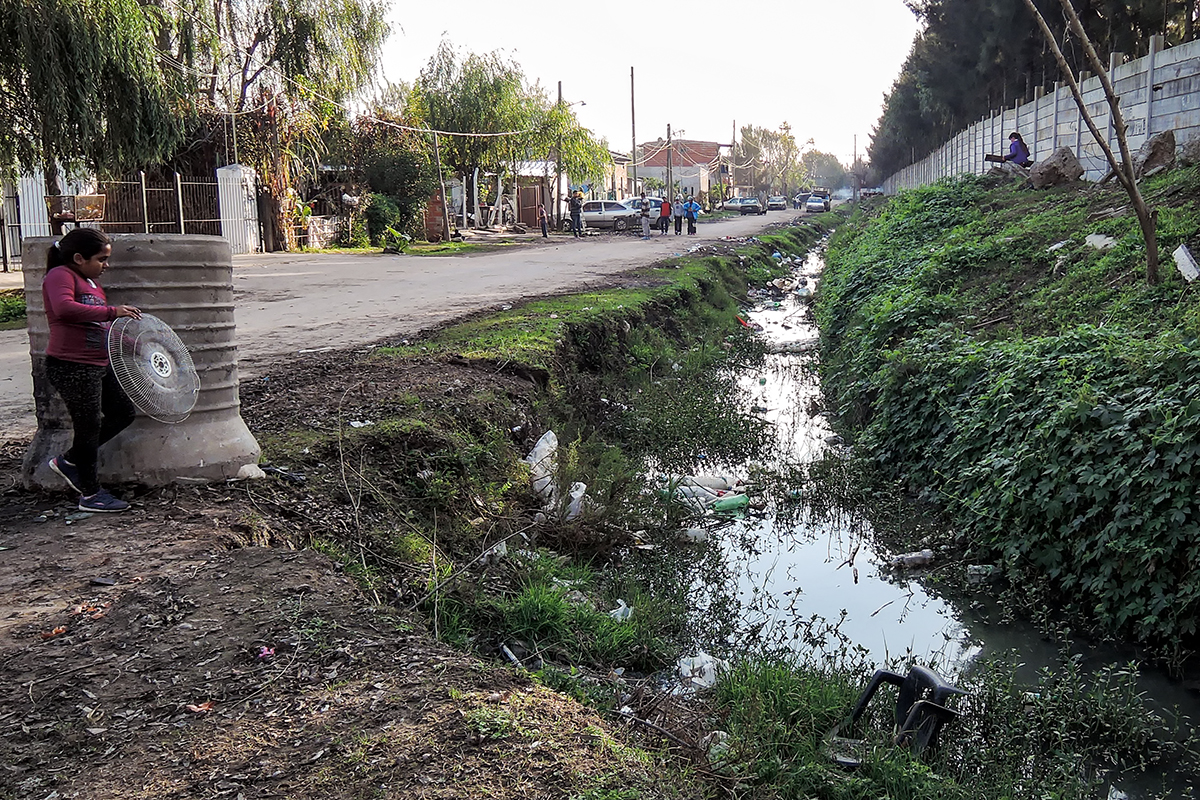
{"points": [[187, 649]]}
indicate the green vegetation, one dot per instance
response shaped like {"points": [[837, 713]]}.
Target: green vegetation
{"points": [[1046, 398], [12, 306]]}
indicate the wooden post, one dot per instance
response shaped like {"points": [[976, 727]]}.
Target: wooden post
{"points": [[1054, 137]]}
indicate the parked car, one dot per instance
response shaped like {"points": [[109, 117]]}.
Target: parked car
{"points": [[635, 204], [815, 204], [777, 203], [607, 214], [750, 205], [823, 194], [800, 199], [732, 204]]}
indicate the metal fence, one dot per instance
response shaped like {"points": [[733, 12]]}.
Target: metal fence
{"points": [[135, 204], [1158, 92]]}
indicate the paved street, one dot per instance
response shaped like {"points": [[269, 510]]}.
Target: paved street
{"points": [[290, 302]]}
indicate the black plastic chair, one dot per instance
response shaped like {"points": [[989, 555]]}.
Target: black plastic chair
{"points": [[920, 713]]}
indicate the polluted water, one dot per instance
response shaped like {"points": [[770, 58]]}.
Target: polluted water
{"points": [[790, 576]]}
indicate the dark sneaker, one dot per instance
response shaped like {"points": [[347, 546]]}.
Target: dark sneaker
{"points": [[67, 471], [102, 501]]}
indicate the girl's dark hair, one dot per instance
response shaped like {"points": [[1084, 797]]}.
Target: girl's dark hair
{"points": [[84, 241], [1017, 136]]}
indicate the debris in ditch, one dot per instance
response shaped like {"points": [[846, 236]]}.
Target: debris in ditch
{"points": [[361, 424], [541, 465], [290, 477], [1185, 263], [249, 472], [980, 573], [701, 669], [622, 612], [921, 558]]}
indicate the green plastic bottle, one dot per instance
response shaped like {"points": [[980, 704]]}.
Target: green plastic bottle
{"points": [[731, 502]]}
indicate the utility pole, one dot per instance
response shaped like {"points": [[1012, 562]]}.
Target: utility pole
{"points": [[633, 130], [670, 185], [854, 168], [558, 170]]}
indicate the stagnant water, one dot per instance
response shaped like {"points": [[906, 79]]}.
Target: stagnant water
{"points": [[788, 570]]}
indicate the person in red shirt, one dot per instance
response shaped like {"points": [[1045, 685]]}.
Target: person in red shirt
{"points": [[78, 314], [664, 216]]}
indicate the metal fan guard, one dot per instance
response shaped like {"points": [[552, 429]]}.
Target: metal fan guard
{"points": [[154, 367]]}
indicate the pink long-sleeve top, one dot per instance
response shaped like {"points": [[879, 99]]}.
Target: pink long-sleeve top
{"points": [[78, 314]]}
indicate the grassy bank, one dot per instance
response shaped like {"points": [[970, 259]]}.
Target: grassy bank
{"points": [[1036, 388]]}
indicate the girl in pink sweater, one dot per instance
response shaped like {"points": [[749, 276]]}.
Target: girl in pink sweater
{"points": [[77, 359]]}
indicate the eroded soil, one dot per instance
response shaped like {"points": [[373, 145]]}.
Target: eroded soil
{"points": [[193, 648]]}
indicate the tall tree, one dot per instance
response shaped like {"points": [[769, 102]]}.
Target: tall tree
{"points": [[81, 86]]}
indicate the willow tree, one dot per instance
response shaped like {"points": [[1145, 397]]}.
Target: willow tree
{"points": [[81, 87]]}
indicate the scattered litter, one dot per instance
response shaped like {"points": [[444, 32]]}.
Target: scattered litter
{"points": [[1185, 263], [250, 472], [265, 653], [316, 350], [921, 558], [694, 535], [493, 554], [506, 306], [78, 515], [578, 496], [103, 581], [622, 612], [701, 669], [1058, 245], [358, 424], [541, 465], [200, 708], [59, 631], [1100, 242], [980, 573], [732, 502], [290, 477]]}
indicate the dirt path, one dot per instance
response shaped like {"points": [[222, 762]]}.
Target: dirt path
{"points": [[292, 302]]}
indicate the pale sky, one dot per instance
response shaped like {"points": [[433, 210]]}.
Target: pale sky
{"points": [[821, 65]]}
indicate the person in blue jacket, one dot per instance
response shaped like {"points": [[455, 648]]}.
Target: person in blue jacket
{"points": [[1018, 152], [691, 210]]}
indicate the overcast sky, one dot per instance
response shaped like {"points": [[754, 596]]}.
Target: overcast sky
{"points": [[821, 65]]}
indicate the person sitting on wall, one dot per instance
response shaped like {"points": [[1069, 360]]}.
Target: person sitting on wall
{"points": [[1018, 152]]}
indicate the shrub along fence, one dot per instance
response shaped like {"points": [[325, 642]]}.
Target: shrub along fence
{"points": [[1159, 92]]}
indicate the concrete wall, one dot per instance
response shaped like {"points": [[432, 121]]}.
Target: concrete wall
{"points": [[1054, 121]]}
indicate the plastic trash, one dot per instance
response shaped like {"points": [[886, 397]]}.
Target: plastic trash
{"points": [[622, 612], [1100, 241], [578, 496], [359, 424], [250, 472], [921, 558], [980, 573], [722, 483], [731, 502], [1185, 263], [701, 669], [694, 535], [541, 465], [494, 554]]}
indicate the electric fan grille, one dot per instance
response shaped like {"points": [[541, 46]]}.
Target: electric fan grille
{"points": [[153, 367]]}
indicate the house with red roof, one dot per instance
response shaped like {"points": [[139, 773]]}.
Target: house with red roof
{"points": [[695, 166]]}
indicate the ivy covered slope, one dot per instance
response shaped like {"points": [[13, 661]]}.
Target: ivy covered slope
{"points": [[1043, 394]]}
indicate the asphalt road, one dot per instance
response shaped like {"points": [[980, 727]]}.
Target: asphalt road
{"points": [[290, 302]]}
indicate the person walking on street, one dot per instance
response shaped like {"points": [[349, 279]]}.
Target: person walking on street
{"points": [[664, 216], [691, 210], [644, 211], [543, 221], [78, 315], [677, 212], [576, 208]]}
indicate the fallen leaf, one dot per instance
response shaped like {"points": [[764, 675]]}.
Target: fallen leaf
{"points": [[61, 629]]}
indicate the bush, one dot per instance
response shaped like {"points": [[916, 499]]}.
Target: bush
{"points": [[382, 213]]}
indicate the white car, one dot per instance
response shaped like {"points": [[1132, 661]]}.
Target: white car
{"points": [[734, 203], [635, 205], [815, 204], [607, 214]]}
